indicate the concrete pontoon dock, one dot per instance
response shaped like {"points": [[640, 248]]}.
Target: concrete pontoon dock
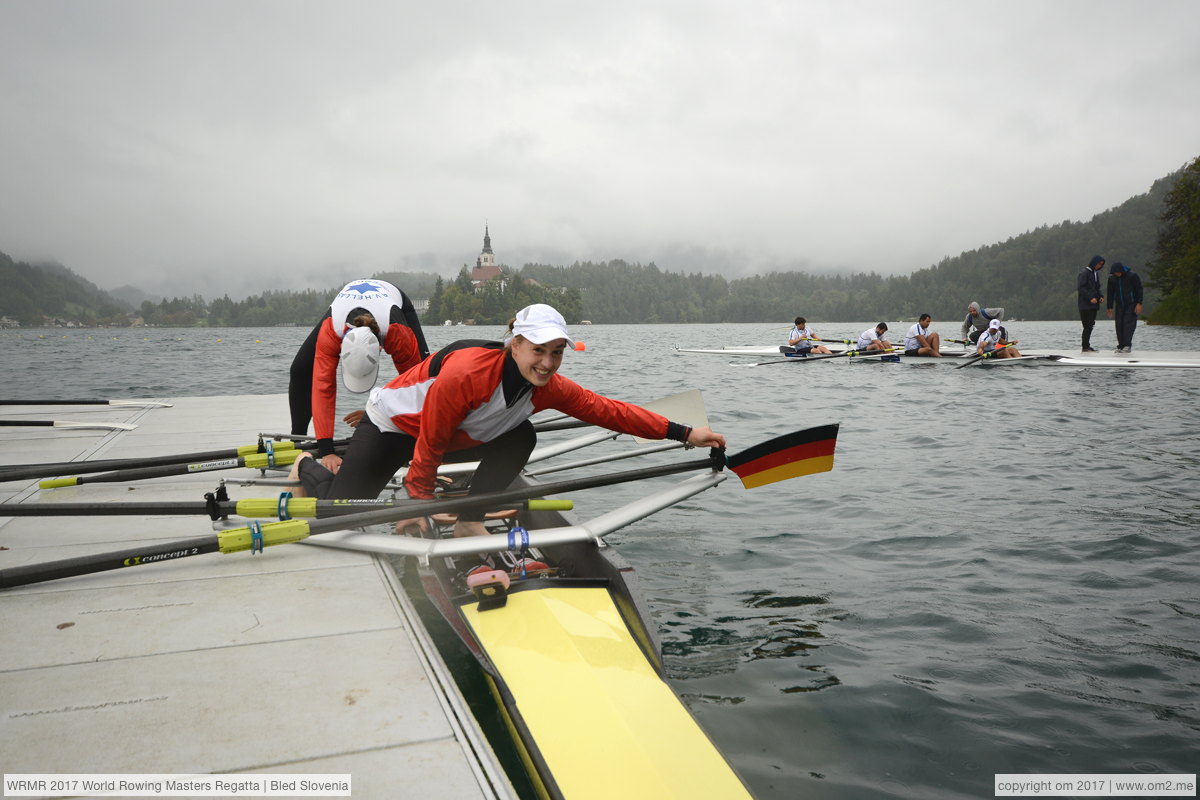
{"points": [[298, 660]]}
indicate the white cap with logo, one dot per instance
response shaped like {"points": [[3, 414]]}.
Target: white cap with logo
{"points": [[360, 359], [540, 323]]}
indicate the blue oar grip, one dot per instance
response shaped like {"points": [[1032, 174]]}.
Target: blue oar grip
{"points": [[512, 538], [283, 506], [256, 536]]}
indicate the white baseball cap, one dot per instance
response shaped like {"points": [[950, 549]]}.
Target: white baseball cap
{"points": [[360, 359], [994, 324], [540, 323]]}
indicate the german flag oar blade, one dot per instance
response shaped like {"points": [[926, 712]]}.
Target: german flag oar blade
{"points": [[789, 456]]}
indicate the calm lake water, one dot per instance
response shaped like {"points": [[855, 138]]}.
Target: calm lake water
{"points": [[999, 575]]}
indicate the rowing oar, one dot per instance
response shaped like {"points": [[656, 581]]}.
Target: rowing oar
{"points": [[59, 423], [45, 470], [252, 461], [284, 507], [138, 403], [805, 360], [799, 453], [985, 355]]}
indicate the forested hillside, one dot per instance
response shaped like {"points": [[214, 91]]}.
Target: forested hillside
{"points": [[32, 294]]}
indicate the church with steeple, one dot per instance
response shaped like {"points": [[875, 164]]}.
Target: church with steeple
{"points": [[485, 265]]}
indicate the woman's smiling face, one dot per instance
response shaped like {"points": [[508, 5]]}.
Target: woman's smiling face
{"points": [[538, 362]]}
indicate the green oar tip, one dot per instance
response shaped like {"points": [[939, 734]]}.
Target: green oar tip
{"points": [[55, 483], [550, 505]]}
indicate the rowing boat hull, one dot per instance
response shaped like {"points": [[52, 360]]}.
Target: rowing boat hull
{"points": [[731, 351], [577, 672], [1146, 360]]}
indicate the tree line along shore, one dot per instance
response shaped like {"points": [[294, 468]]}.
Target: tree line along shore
{"points": [[1031, 275]]}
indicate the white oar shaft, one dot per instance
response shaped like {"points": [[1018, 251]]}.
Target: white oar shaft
{"points": [[539, 454], [61, 423], [645, 451], [141, 403], [110, 426], [138, 403]]}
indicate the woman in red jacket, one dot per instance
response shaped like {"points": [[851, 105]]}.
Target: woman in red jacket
{"points": [[351, 333], [472, 402]]}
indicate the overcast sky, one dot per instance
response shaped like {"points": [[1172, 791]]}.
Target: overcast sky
{"points": [[237, 145]]}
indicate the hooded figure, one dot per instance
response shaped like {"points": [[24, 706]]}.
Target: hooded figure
{"points": [[1124, 303], [1087, 286]]}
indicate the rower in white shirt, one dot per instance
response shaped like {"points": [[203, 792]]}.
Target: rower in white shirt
{"points": [[872, 338], [921, 341], [994, 341], [802, 338]]}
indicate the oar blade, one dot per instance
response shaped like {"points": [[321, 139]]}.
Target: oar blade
{"points": [[686, 408], [792, 455]]}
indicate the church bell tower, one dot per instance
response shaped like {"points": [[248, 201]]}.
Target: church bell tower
{"points": [[486, 258]]}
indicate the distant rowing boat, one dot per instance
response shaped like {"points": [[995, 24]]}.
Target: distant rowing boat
{"points": [[1159, 359]]}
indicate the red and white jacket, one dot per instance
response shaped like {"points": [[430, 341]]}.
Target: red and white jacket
{"points": [[455, 399]]}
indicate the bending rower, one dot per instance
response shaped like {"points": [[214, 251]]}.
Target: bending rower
{"points": [[351, 333]]}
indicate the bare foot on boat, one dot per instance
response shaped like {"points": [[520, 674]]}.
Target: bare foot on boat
{"points": [[294, 475], [417, 526], [472, 528]]}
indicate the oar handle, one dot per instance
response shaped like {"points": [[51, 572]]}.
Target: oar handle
{"points": [[45, 470]]}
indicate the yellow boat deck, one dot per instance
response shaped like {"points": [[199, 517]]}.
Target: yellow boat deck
{"points": [[567, 656]]}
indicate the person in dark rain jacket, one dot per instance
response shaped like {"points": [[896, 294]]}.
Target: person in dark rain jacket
{"points": [[1124, 303], [1088, 287]]}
